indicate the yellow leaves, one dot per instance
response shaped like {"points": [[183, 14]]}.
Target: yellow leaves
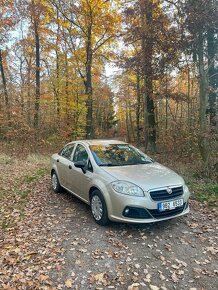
{"points": [[99, 279], [29, 255], [134, 286], [68, 283], [63, 23], [29, 50], [47, 18]]}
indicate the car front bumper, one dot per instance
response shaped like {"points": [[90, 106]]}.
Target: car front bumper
{"points": [[130, 209]]}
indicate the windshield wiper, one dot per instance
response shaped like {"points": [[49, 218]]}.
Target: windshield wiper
{"points": [[107, 164], [138, 163]]}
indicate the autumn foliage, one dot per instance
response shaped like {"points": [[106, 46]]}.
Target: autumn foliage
{"points": [[54, 83]]}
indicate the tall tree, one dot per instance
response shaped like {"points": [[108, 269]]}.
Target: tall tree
{"points": [[35, 19], [212, 46], [7, 23], [4, 86], [148, 25], [201, 20], [92, 24], [147, 42]]}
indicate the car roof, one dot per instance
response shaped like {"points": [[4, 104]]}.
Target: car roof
{"points": [[100, 142]]}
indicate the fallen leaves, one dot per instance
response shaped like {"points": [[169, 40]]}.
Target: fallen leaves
{"points": [[212, 250], [99, 279], [174, 277], [152, 287], [28, 252], [147, 278], [68, 283], [134, 286], [45, 248]]}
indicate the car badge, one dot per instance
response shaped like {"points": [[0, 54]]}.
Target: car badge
{"points": [[169, 190]]}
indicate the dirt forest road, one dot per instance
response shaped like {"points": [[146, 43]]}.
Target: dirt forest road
{"points": [[57, 245]]}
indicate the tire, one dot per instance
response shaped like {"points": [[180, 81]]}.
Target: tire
{"points": [[99, 208], [55, 182]]}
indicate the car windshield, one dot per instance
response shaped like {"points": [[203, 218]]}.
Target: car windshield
{"points": [[118, 155]]}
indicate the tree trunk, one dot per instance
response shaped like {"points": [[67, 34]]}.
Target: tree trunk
{"points": [[138, 105], [127, 123], [88, 87], [144, 56], [67, 90], [4, 82], [147, 49], [166, 108], [203, 144], [130, 120], [189, 101], [189, 105], [37, 91], [212, 76], [57, 90], [150, 101], [29, 107]]}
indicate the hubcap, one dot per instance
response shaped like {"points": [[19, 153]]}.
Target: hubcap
{"points": [[97, 207], [54, 181]]}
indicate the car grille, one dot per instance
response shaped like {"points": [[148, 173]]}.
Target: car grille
{"points": [[162, 194], [167, 213]]}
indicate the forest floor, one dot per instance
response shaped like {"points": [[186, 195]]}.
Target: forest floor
{"points": [[50, 241]]}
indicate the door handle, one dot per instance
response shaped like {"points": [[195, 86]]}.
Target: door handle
{"points": [[70, 167]]}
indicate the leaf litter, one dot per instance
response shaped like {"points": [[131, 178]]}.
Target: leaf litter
{"points": [[49, 241]]}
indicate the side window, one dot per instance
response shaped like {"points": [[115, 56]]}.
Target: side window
{"points": [[67, 151], [89, 167], [80, 154]]}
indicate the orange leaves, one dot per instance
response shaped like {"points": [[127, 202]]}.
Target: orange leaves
{"points": [[63, 23], [99, 279], [7, 18]]}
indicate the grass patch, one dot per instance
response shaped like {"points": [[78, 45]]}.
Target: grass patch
{"points": [[41, 172], [203, 188], [5, 224], [23, 194], [205, 192], [17, 179], [38, 158], [5, 159]]}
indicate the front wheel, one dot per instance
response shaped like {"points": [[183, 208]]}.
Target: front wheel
{"points": [[99, 208], [55, 182]]}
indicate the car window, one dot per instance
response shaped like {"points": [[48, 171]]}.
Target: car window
{"points": [[67, 151], [89, 167], [118, 155], [80, 154]]}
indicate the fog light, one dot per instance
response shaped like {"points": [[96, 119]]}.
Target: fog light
{"points": [[135, 212]]}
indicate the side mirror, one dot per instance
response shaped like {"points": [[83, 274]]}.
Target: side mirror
{"points": [[81, 164]]}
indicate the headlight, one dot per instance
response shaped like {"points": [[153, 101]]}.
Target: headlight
{"points": [[127, 188], [186, 190]]}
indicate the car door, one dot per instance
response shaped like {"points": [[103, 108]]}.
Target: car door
{"points": [[63, 162], [79, 181]]}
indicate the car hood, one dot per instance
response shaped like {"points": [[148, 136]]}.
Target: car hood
{"points": [[147, 176]]}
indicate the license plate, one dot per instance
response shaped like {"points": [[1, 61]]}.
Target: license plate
{"points": [[169, 205]]}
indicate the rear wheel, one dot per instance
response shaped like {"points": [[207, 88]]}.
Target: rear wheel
{"points": [[55, 182], [99, 208]]}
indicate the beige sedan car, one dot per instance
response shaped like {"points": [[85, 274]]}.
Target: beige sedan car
{"points": [[119, 182]]}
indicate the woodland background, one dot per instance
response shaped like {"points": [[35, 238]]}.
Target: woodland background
{"points": [[143, 71], [162, 94]]}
